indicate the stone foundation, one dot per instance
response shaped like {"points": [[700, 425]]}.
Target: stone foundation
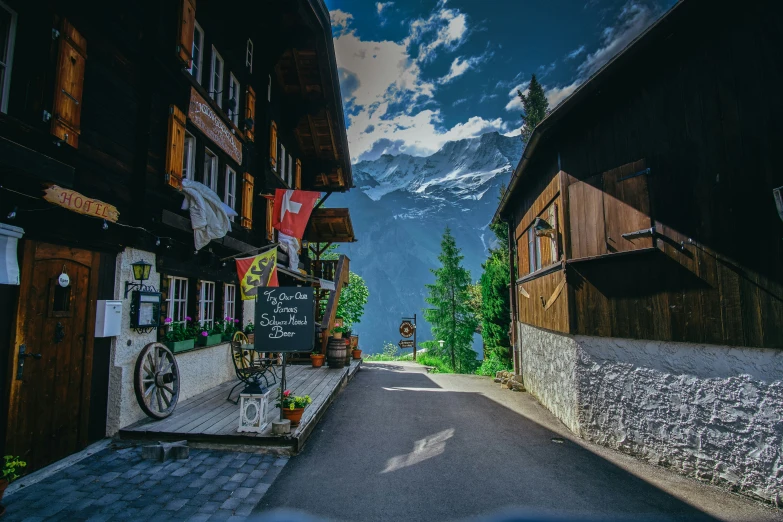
{"points": [[711, 412]]}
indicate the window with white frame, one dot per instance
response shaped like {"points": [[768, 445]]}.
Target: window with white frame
{"points": [[233, 96], [290, 178], [230, 194], [229, 302], [206, 304], [216, 78], [7, 38], [249, 54], [197, 64], [269, 89], [210, 169], [177, 301], [188, 157], [282, 161]]}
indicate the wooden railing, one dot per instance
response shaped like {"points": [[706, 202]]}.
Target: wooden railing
{"points": [[325, 269], [341, 279]]}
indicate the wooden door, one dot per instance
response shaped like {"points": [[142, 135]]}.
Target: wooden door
{"points": [[627, 207], [49, 401]]}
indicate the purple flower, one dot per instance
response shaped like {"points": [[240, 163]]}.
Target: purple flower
{"points": [[236, 320], [188, 318], [168, 320], [227, 318], [204, 334]]}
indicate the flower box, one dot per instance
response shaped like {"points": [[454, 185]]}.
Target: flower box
{"points": [[209, 340], [180, 346]]}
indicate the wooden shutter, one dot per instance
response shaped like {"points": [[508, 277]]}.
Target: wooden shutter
{"points": [[273, 146], [250, 111], [298, 175], [175, 147], [187, 25], [69, 85], [627, 207], [270, 207], [247, 201]]}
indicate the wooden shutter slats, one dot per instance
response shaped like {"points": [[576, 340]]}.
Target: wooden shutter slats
{"points": [[187, 26], [247, 201], [250, 111], [298, 175], [175, 147], [270, 231], [69, 85], [273, 146]]}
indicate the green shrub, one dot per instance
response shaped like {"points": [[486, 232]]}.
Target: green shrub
{"points": [[439, 365], [491, 366]]}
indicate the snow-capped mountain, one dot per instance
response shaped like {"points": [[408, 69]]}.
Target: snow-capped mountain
{"points": [[399, 210]]}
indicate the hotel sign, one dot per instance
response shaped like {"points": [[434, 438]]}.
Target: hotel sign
{"points": [[203, 117], [76, 202]]}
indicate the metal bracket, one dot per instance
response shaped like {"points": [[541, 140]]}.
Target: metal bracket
{"points": [[55, 34], [640, 233], [640, 173], [47, 116], [20, 362]]}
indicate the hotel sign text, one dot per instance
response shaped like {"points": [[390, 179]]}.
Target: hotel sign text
{"points": [[203, 117]]}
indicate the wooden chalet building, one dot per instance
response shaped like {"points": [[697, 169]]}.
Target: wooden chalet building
{"points": [[119, 102], [647, 249]]}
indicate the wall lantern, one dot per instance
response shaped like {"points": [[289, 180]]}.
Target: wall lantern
{"points": [[441, 344], [141, 272]]}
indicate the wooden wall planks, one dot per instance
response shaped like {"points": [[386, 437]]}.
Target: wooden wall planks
{"points": [[701, 112], [540, 290]]}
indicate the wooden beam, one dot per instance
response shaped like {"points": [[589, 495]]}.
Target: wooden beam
{"points": [[331, 135]]}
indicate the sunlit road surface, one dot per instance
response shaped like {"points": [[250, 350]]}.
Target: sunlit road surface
{"points": [[399, 444]]}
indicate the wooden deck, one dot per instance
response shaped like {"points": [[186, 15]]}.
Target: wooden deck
{"points": [[210, 417]]}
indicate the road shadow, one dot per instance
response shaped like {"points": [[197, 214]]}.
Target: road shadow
{"points": [[394, 447]]}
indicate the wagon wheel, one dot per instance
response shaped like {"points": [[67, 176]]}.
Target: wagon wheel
{"points": [[244, 357], [156, 381]]}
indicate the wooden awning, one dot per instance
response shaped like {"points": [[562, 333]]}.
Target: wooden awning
{"points": [[330, 225]]}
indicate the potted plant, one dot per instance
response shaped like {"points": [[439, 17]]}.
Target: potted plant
{"points": [[338, 331], [228, 328], [356, 352], [10, 472], [208, 336], [249, 328], [178, 336], [293, 407], [317, 359]]}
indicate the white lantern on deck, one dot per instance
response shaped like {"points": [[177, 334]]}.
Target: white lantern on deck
{"points": [[252, 409]]}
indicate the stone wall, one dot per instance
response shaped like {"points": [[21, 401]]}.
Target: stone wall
{"points": [[710, 412], [200, 369]]}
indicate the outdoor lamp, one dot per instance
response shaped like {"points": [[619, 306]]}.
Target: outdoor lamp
{"points": [[542, 228], [441, 343], [141, 272]]}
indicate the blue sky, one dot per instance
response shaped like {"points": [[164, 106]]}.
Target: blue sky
{"points": [[418, 73]]}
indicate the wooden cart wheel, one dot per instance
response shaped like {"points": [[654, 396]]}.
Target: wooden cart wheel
{"points": [[156, 381], [245, 358]]}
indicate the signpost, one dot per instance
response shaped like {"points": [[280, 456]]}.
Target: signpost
{"points": [[408, 329]]}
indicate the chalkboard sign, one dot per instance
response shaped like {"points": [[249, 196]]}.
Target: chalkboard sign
{"points": [[285, 320]]}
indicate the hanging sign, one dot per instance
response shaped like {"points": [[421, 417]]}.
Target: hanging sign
{"points": [[405, 344], [406, 329], [285, 320], [203, 117], [76, 202]]}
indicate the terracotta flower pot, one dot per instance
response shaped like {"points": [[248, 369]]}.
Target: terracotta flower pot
{"points": [[295, 415], [317, 360], [3, 485], [337, 335], [357, 354]]}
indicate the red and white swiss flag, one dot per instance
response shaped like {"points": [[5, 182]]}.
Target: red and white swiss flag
{"points": [[292, 210]]}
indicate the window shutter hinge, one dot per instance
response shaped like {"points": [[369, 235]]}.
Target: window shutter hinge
{"points": [[55, 34]]}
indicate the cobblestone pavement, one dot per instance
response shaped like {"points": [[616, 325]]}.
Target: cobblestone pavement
{"points": [[117, 484]]}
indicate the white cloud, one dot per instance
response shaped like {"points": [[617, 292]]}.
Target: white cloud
{"points": [[515, 104], [460, 66], [555, 95], [634, 18], [389, 106], [381, 7], [576, 52]]}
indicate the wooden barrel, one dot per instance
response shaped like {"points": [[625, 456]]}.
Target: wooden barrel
{"points": [[335, 353]]}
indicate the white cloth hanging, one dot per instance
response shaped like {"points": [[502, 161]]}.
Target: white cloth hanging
{"points": [[291, 245], [209, 216]]}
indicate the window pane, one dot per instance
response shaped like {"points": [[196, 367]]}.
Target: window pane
{"points": [[531, 250]]}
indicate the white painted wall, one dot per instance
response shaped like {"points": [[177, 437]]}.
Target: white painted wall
{"points": [[710, 412], [199, 370]]}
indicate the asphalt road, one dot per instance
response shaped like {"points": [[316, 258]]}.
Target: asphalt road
{"points": [[399, 444]]}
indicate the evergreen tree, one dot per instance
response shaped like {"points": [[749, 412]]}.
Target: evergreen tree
{"points": [[450, 316], [535, 106], [495, 299]]}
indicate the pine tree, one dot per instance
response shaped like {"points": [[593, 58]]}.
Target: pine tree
{"points": [[450, 316], [495, 299], [535, 106]]}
